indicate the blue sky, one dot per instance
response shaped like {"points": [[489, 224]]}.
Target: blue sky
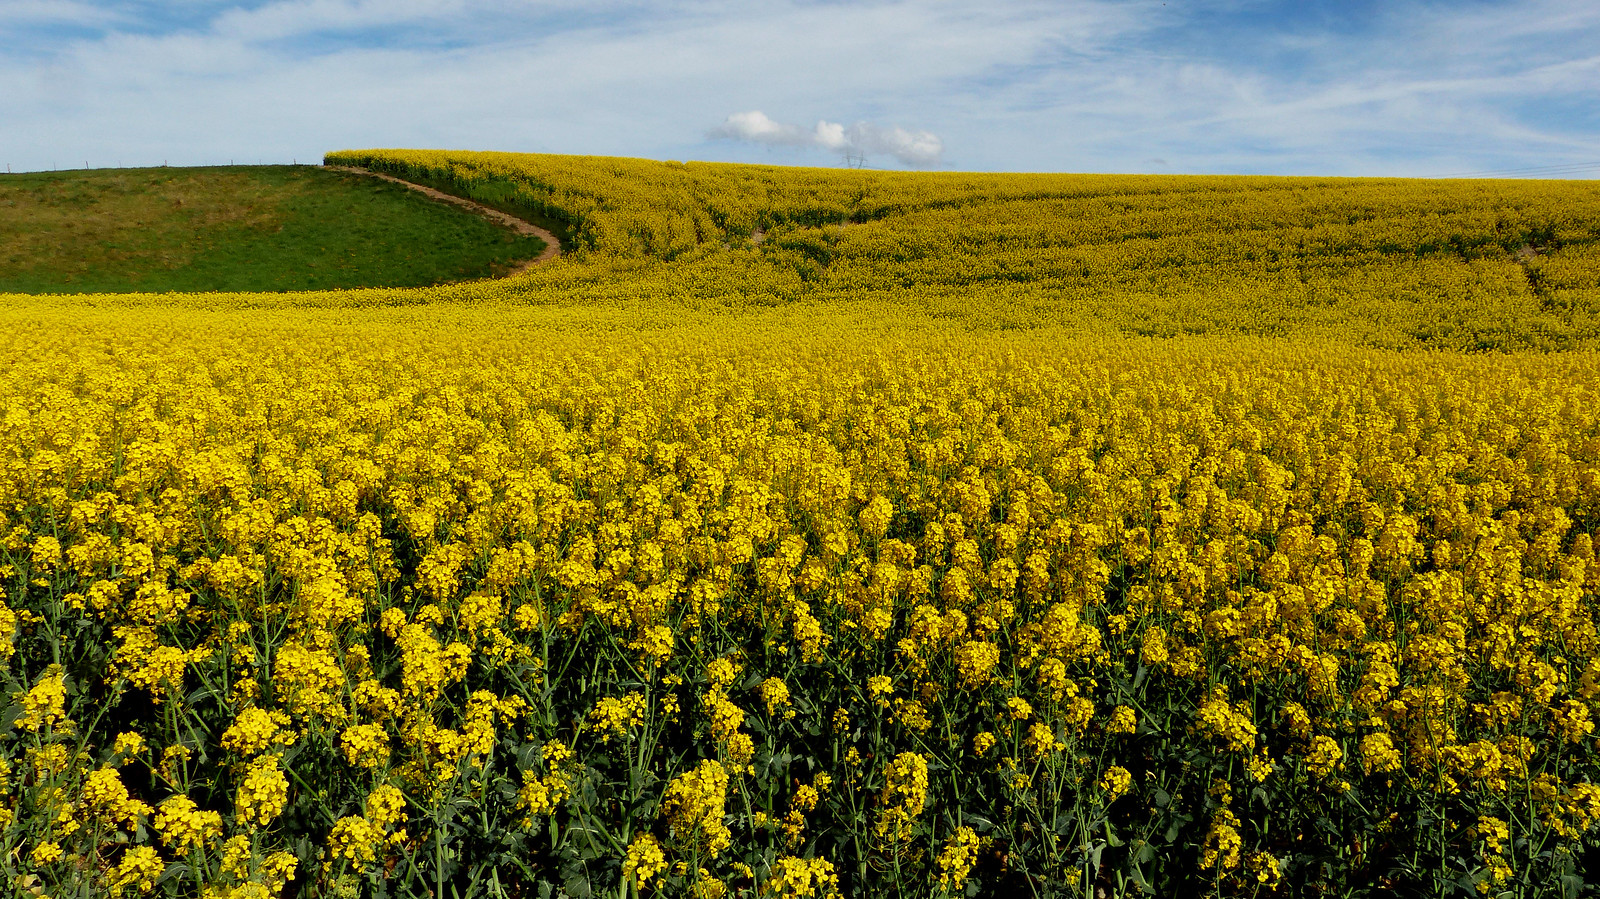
{"points": [[1231, 86]]}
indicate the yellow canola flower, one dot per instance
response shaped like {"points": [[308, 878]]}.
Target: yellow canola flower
{"points": [[693, 805], [263, 792], [138, 871], [1041, 740], [310, 678], [1379, 755], [152, 665], [1228, 723], [644, 861], [775, 694], [1123, 720], [1115, 782], [656, 642], [1325, 756], [386, 806], [543, 793], [1260, 766], [1222, 843], [129, 744], [976, 660], [355, 839], [880, 686], [905, 792], [105, 793], [185, 827], [45, 853], [1494, 832], [46, 552], [44, 705], [801, 878], [255, 729], [8, 631], [956, 859], [366, 745], [617, 716], [1266, 869], [721, 673]]}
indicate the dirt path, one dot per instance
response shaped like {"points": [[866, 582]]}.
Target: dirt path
{"points": [[552, 247]]}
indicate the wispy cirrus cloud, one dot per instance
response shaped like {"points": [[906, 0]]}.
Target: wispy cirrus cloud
{"points": [[293, 18], [34, 12]]}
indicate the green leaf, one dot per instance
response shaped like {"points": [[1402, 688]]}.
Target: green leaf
{"points": [[575, 880]]}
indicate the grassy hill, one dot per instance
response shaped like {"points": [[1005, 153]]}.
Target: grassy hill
{"points": [[1383, 262], [261, 228]]}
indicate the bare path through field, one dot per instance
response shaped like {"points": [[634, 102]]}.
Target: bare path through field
{"points": [[552, 247]]}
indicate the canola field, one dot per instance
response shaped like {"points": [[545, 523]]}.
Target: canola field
{"points": [[812, 534]]}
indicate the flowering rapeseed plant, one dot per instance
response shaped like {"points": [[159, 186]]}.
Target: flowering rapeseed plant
{"points": [[531, 581]]}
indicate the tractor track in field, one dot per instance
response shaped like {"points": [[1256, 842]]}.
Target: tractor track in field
{"points": [[552, 246]]}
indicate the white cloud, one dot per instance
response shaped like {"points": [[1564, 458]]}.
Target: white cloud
{"points": [[1052, 85], [1394, 98], [915, 148], [52, 11], [755, 126], [910, 147], [18, 18], [288, 18]]}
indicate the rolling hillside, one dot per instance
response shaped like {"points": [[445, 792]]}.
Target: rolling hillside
{"points": [[264, 228], [1457, 264]]}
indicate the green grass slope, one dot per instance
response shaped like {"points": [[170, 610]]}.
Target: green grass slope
{"points": [[237, 228]]}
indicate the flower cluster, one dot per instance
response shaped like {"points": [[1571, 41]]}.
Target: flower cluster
{"points": [[929, 583]]}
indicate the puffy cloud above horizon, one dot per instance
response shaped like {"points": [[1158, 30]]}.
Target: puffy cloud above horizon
{"points": [[1337, 87], [915, 148]]}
